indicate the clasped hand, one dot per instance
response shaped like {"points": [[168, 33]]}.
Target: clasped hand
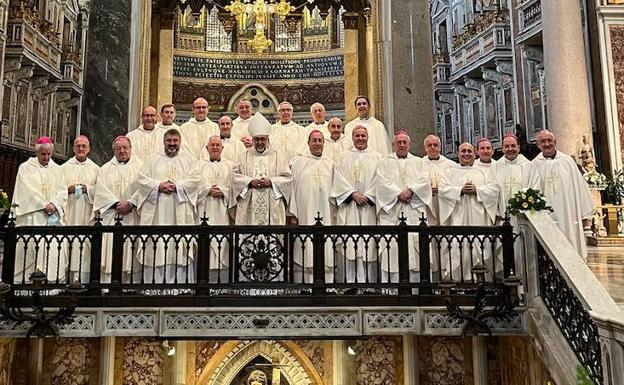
{"points": [[263, 182], [406, 196], [215, 192], [469, 188], [167, 187], [359, 198]]}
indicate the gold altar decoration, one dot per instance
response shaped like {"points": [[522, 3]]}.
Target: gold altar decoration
{"points": [[261, 10]]}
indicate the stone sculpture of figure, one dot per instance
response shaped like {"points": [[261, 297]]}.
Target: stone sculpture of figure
{"points": [[257, 377], [586, 154]]}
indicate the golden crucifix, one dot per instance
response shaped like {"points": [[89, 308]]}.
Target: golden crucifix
{"points": [[357, 173], [402, 177]]}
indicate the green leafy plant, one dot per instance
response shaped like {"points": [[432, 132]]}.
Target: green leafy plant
{"points": [[614, 192], [527, 200], [582, 376]]}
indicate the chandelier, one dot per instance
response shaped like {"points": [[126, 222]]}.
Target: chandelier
{"points": [[261, 10]]}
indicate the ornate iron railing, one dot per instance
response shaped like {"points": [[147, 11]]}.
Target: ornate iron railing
{"points": [[573, 320], [207, 265]]}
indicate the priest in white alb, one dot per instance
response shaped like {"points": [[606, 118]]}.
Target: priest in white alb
{"points": [[147, 138], [317, 112], [212, 204], [469, 196], [287, 137], [117, 182], [337, 142], [167, 195], [80, 174], [261, 183], [240, 125], [310, 198], [353, 189], [233, 147], [196, 131], [402, 189], [565, 190], [39, 200], [485, 152], [167, 116], [436, 165], [378, 139]]}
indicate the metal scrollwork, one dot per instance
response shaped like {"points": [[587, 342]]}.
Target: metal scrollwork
{"points": [[262, 258], [573, 320]]}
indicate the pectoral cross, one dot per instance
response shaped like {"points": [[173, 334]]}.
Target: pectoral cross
{"points": [[357, 173], [509, 185], [172, 174], [317, 176], [45, 189], [119, 184], [402, 177], [552, 180]]}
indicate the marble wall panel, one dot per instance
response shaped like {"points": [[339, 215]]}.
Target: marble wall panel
{"points": [[143, 362], [315, 351], [71, 361], [7, 355], [617, 52], [520, 364], [105, 102], [204, 351], [445, 361], [20, 363], [376, 360]]}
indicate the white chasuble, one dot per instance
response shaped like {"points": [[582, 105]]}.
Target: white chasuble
{"points": [[35, 187], [146, 143], [240, 127], [160, 208], [322, 127], [514, 175], [79, 209], [117, 182], [288, 139], [355, 172], [311, 188], [378, 139], [264, 206], [437, 169], [458, 209], [567, 192], [233, 150], [333, 148], [195, 136], [395, 175], [477, 163]]}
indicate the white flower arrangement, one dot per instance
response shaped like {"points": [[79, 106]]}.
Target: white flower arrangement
{"points": [[595, 180]]}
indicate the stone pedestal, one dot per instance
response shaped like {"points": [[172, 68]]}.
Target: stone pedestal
{"points": [[567, 91], [411, 68]]}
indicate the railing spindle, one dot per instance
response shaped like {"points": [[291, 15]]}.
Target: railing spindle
{"points": [[96, 258]]}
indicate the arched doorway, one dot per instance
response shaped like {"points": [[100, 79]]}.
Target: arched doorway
{"points": [[240, 359]]}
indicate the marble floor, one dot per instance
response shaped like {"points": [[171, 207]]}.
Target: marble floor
{"points": [[607, 262]]}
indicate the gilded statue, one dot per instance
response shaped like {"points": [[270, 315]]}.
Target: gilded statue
{"points": [[257, 377]]}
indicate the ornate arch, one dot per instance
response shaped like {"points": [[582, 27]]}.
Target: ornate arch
{"points": [[237, 356], [243, 93]]}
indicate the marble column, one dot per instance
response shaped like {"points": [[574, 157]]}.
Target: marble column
{"points": [[371, 68], [410, 360], [178, 367], [479, 360], [340, 358], [105, 100], [107, 361], [165, 60], [351, 63], [411, 67], [567, 90], [35, 361]]}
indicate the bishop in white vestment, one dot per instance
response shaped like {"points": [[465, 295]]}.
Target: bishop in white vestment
{"points": [[167, 195], [402, 189], [212, 205], [117, 182], [565, 190], [80, 174], [310, 198], [147, 138], [261, 183], [198, 129], [354, 190], [378, 139], [39, 200], [469, 196]]}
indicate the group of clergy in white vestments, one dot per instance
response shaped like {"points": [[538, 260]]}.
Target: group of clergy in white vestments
{"points": [[247, 171]]}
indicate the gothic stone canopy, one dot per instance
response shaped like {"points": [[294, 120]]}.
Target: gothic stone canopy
{"points": [[324, 5]]}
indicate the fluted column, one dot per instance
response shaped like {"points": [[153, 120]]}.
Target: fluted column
{"points": [[567, 91], [351, 63]]}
